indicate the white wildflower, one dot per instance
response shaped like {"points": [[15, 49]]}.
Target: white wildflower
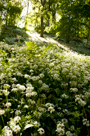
{"points": [[64, 96], [86, 122], [26, 76], [72, 128], [36, 124], [74, 90], [44, 87], [68, 133], [2, 112], [51, 109], [41, 131], [17, 112], [14, 90], [5, 92], [21, 87], [17, 119], [8, 104], [26, 106], [40, 82], [7, 131], [6, 86], [17, 129], [41, 75], [64, 121], [33, 93], [60, 129]]}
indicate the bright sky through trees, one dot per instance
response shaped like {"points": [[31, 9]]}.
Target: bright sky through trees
{"points": [[24, 12]]}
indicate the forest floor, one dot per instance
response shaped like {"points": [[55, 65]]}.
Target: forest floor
{"points": [[47, 39], [18, 36], [44, 84]]}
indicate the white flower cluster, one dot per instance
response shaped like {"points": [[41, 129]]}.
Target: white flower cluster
{"points": [[41, 131], [20, 87], [2, 112], [74, 90], [86, 122], [60, 129], [68, 133], [6, 86], [13, 124], [8, 104], [7, 131], [30, 92], [64, 96], [80, 101], [5, 92], [50, 107], [44, 86]]}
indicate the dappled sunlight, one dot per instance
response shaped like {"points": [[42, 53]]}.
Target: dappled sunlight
{"points": [[35, 37]]}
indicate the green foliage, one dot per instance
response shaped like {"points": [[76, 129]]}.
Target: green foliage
{"points": [[10, 11], [43, 88], [13, 34]]}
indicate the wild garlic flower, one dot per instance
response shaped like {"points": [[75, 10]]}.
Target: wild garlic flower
{"points": [[40, 82], [6, 86], [41, 75], [17, 112], [2, 112], [86, 122], [80, 101], [21, 87], [7, 131], [44, 87], [36, 124], [60, 129], [72, 128], [64, 96], [68, 133], [16, 129], [5, 92], [12, 123], [41, 131], [2, 76], [14, 89], [74, 90], [51, 109], [8, 104], [26, 76], [64, 121], [49, 105], [17, 119], [26, 106]]}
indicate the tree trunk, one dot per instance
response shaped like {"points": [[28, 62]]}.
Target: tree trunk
{"points": [[49, 16], [41, 26], [43, 3]]}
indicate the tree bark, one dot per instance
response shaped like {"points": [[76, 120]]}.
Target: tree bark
{"points": [[41, 26], [49, 16], [43, 3]]}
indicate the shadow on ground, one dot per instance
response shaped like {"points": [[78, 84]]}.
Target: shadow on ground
{"points": [[13, 35]]}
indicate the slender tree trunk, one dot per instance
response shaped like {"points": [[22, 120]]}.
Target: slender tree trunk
{"points": [[88, 34], [41, 26], [49, 16], [43, 3]]}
